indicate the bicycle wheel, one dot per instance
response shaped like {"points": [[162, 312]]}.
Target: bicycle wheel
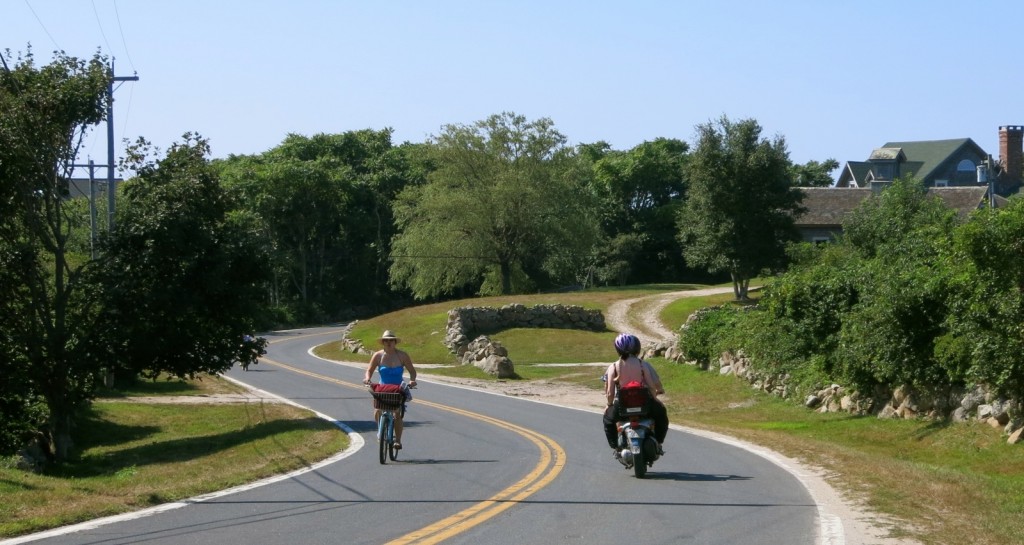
{"points": [[392, 451], [382, 437]]}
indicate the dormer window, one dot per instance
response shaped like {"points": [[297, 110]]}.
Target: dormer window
{"points": [[885, 161], [884, 171]]}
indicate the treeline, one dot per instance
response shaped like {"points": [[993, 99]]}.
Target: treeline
{"points": [[204, 252], [910, 297], [355, 224]]}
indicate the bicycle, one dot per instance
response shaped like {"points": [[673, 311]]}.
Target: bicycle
{"points": [[388, 403]]}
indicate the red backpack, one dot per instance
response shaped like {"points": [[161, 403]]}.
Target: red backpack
{"points": [[633, 398]]}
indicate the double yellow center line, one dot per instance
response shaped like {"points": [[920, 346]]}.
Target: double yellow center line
{"points": [[550, 464]]}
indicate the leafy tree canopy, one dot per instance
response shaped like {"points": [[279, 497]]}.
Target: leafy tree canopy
{"points": [[181, 282], [987, 313], [46, 309], [503, 212], [640, 191], [738, 216], [814, 174]]}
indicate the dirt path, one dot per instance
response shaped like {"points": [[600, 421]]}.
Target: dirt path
{"points": [[640, 316]]}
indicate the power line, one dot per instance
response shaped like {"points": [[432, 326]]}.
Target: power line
{"points": [[123, 42], [47, 31], [99, 24], [127, 110]]}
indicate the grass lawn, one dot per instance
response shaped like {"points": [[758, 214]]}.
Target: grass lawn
{"points": [[134, 455]]}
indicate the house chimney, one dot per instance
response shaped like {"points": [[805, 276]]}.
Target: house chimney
{"points": [[1011, 154]]}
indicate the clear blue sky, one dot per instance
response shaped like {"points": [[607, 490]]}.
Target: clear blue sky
{"points": [[835, 78]]}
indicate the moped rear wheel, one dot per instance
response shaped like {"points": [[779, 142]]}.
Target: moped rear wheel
{"points": [[639, 464]]}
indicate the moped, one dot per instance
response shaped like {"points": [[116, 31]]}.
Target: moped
{"points": [[637, 447]]}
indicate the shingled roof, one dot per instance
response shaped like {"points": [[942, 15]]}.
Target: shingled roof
{"points": [[922, 158], [828, 207], [858, 171]]}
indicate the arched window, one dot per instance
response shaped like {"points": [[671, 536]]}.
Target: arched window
{"points": [[965, 166]]}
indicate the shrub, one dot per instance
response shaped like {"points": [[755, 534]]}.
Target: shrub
{"points": [[703, 337]]}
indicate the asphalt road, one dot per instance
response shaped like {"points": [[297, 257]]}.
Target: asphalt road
{"points": [[476, 468]]}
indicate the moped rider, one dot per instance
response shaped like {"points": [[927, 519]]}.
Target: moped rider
{"points": [[630, 368]]}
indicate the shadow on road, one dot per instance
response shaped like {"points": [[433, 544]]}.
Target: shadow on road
{"points": [[693, 477]]}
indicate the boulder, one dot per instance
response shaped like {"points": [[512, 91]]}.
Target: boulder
{"points": [[498, 366]]}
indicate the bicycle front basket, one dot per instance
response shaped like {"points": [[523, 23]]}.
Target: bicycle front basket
{"points": [[389, 401]]}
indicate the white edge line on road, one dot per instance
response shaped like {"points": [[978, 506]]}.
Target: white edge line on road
{"points": [[830, 525], [356, 443]]}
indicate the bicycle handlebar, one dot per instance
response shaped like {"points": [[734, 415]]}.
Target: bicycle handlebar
{"points": [[372, 384]]}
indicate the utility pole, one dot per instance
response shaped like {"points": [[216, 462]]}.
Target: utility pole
{"points": [[91, 165], [111, 184]]}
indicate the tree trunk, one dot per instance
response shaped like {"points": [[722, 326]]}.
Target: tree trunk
{"points": [[740, 287], [61, 432], [59, 426], [506, 278]]}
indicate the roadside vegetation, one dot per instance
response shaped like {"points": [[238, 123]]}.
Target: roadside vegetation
{"points": [[944, 483], [939, 482], [133, 455]]}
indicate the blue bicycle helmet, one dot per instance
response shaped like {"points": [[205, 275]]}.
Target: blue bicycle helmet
{"points": [[627, 345]]}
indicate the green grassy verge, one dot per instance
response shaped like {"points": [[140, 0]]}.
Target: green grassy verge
{"points": [[134, 455], [951, 483]]}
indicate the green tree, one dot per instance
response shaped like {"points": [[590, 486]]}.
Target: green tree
{"points": [[180, 280], [738, 215], [815, 294], [890, 335], [987, 314], [504, 203], [882, 223], [871, 309], [814, 174], [300, 205], [640, 191], [46, 308], [321, 204]]}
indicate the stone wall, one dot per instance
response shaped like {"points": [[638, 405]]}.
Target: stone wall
{"points": [[467, 323], [465, 333], [958, 405]]}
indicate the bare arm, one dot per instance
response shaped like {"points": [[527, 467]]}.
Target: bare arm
{"points": [[374, 362], [655, 381], [609, 384]]}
